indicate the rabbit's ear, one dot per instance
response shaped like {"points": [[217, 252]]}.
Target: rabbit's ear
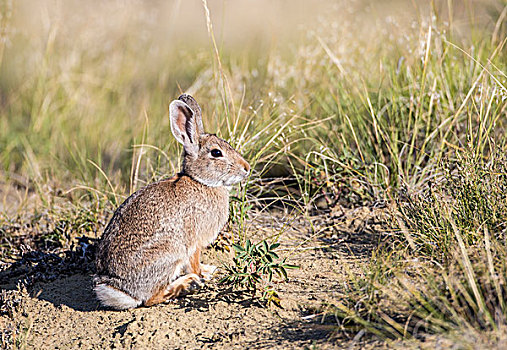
{"points": [[184, 126], [192, 103]]}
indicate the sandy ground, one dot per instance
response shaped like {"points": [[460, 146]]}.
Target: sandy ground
{"points": [[59, 311]]}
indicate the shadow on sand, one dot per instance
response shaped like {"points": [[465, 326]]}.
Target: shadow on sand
{"points": [[73, 291], [61, 279]]}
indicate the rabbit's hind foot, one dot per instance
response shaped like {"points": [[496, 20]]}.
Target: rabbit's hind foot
{"points": [[184, 284]]}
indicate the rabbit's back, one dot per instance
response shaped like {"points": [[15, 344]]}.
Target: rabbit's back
{"points": [[167, 218]]}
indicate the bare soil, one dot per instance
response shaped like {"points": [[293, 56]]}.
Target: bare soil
{"points": [[49, 304]]}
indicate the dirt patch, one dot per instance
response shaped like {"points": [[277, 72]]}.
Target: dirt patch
{"points": [[59, 310]]}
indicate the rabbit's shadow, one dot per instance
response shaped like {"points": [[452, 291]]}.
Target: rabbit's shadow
{"points": [[74, 291]]}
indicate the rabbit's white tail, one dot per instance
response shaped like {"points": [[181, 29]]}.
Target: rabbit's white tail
{"points": [[115, 298]]}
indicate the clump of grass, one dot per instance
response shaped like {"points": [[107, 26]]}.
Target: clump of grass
{"points": [[417, 299], [470, 193], [445, 271]]}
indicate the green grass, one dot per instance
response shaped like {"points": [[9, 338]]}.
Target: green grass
{"points": [[445, 269], [371, 102]]}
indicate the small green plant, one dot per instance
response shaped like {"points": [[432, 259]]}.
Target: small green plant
{"points": [[253, 268]]}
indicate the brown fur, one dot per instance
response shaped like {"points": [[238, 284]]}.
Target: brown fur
{"points": [[158, 233]]}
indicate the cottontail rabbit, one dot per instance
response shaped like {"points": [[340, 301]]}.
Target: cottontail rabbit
{"points": [[150, 250]]}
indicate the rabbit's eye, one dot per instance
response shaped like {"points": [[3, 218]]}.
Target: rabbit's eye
{"points": [[216, 153]]}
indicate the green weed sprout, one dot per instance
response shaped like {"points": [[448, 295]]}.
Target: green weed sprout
{"points": [[253, 268]]}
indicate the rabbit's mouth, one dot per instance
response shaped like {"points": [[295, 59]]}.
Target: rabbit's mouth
{"points": [[234, 179]]}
